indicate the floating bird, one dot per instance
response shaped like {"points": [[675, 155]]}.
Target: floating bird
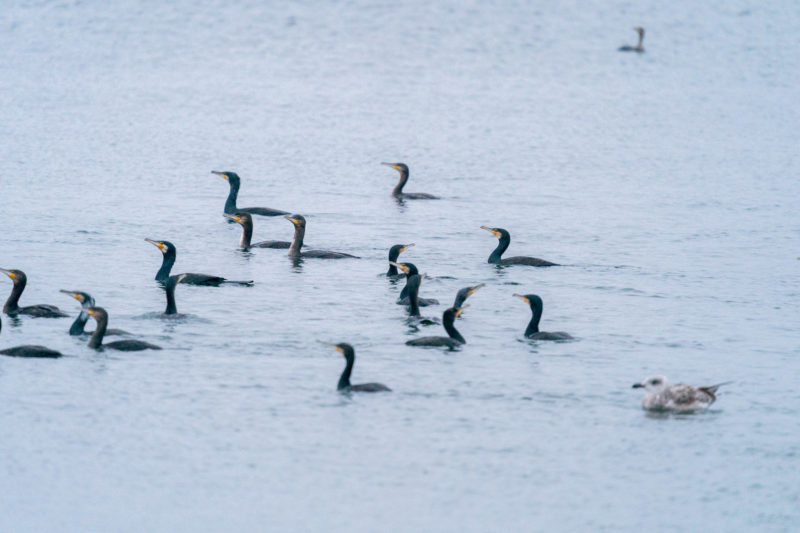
{"points": [[453, 341], [413, 294], [398, 193], [128, 345], [394, 253], [169, 253], [12, 308], [505, 240], [638, 48], [297, 243], [409, 269], [466, 292], [169, 288], [532, 332], [230, 204], [86, 301], [661, 396], [344, 381], [246, 221], [30, 350]]}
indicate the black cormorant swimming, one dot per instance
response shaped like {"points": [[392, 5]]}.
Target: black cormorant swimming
{"points": [[505, 240], [532, 332], [86, 301], [230, 204], [295, 251], [128, 345], [169, 253], [409, 269], [638, 48], [344, 381], [453, 341], [29, 350], [466, 292], [246, 221], [398, 193], [169, 288], [413, 294], [12, 308], [394, 253]]}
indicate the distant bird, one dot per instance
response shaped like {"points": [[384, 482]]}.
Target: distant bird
{"points": [[465, 293], [169, 254], [661, 396], [504, 240], [12, 304], [235, 182], [246, 221], [532, 331], [638, 48], [398, 193], [394, 253], [344, 384], [29, 350], [78, 326]]}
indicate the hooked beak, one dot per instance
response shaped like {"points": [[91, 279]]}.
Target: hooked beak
{"points": [[71, 293], [461, 310], [91, 311], [7, 273], [218, 173], [158, 244], [406, 247], [332, 344], [521, 297], [493, 231], [475, 288], [401, 266], [235, 218], [291, 219], [391, 165]]}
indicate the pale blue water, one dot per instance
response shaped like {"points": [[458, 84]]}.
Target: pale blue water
{"points": [[667, 182]]}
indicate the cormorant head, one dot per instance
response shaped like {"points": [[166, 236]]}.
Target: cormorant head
{"points": [[454, 312], [165, 246], [342, 347], [82, 297], [500, 233], [640, 31], [402, 168], [652, 384], [17, 276], [98, 313], [471, 290], [531, 299], [409, 269], [297, 220], [230, 177], [397, 249], [240, 217]]}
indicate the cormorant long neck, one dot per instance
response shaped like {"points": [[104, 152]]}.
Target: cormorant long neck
{"points": [[170, 290], [100, 331], [641, 41], [533, 325], [80, 322], [247, 233], [394, 253], [166, 264], [448, 319], [16, 292], [230, 203], [398, 189], [505, 240], [344, 380], [413, 294], [297, 241]]}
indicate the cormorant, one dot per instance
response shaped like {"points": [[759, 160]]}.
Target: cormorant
{"points": [[532, 332], [505, 240], [86, 301], [453, 341], [638, 48], [344, 381], [12, 308], [128, 345], [297, 243], [230, 204], [409, 269], [465, 293], [398, 193], [661, 396], [246, 221], [169, 288], [29, 350], [394, 253], [413, 294], [169, 253]]}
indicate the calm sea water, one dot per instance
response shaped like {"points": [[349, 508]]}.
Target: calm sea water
{"points": [[666, 182]]}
